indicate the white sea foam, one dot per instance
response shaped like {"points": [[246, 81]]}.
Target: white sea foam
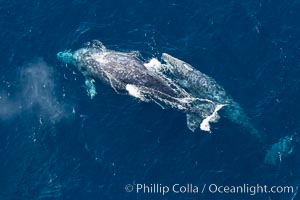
{"points": [[205, 126], [153, 65], [133, 91]]}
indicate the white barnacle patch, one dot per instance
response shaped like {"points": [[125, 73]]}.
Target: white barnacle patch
{"points": [[99, 57]]}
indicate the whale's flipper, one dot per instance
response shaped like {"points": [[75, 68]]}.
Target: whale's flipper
{"points": [[90, 87]]}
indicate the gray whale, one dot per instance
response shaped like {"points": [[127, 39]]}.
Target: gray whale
{"points": [[170, 83], [152, 81], [173, 83]]}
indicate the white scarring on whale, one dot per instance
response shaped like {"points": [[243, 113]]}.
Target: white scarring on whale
{"points": [[173, 83]]}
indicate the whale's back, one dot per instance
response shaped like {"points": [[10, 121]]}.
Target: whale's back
{"points": [[120, 69]]}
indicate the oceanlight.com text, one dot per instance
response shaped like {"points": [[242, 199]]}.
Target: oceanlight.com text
{"points": [[189, 188], [251, 189]]}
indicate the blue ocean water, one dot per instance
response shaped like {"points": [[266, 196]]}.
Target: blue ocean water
{"points": [[56, 143]]}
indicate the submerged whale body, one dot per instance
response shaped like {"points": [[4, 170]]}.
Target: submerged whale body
{"points": [[170, 83]]}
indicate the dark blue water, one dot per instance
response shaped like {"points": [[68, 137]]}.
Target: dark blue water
{"points": [[56, 143]]}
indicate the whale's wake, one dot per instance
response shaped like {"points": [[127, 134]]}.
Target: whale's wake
{"points": [[170, 83]]}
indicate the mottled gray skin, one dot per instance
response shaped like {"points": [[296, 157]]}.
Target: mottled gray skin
{"points": [[196, 82], [118, 69]]}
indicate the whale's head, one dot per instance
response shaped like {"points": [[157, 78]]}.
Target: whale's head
{"points": [[76, 58]]}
